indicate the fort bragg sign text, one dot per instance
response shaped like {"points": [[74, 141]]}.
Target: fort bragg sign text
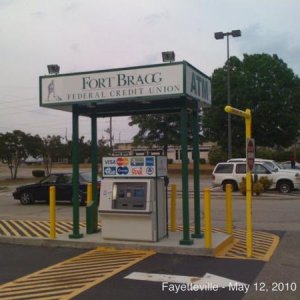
{"points": [[166, 80]]}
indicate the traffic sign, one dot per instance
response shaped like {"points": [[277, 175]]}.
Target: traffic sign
{"points": [[250, 153]]}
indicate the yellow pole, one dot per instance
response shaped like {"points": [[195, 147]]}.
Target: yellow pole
{"points": [[229, 208], [52, 212], [173, 207], [207, 218], [248, 191], [248, 124], [89, 196]]}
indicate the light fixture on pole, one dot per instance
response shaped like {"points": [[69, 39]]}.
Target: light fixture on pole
{"points": [[219, 36], [168, 56], [53, 69]]}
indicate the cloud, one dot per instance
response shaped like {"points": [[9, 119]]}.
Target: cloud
{"points": [[5, 3], [154, 19], [71, 7], [75, 47], [257, 39], [39, 14]]}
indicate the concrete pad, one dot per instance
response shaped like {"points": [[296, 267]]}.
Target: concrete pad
{"points": [[169, 245]]}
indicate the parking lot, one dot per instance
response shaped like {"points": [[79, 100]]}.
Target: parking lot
{"points": [[272, 211]]}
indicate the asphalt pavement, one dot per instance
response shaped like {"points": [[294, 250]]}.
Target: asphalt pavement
{"points": [[278, 278], [19, 260]]}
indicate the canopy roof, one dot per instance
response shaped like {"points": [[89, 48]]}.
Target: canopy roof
{"points": [[151, 88]]}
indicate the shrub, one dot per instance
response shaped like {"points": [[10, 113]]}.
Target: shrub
{"points": [[266, 183], [258, 188], [38, 173], [169, 161], [202, 161], [216, 155], [242, 186]]}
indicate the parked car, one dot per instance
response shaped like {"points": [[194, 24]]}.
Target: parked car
{"points": [[28, 194], [233, 172], [272, 164], [287, 165]]}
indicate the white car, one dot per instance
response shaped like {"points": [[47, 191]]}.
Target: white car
{"points": [[233, 172], [287, 165], [272, 164]]}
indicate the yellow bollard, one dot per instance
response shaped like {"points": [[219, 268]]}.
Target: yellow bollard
{"points": [[207, 218], [249, 233], [89, 196], [229, 208], [52, 212], [173, 207]]}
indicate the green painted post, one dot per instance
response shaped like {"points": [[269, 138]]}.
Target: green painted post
{"points": [[92, 210], [75, 199], [185, 187], [94, 159], [195, 119]]}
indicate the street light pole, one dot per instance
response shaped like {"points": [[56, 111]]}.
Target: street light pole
{"points": [[218, 36], [228, 103]]}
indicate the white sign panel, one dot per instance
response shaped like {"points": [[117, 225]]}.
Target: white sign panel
{"points": [[115, 84], [198, 86], [134, 166]]}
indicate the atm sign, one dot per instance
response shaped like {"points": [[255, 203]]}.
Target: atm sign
{"points": [[122, 161]]}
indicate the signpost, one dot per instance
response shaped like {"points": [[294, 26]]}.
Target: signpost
{"points": [[250, 164], [250, 154]]}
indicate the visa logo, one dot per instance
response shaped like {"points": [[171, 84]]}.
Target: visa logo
{"points": [[109, 161]]}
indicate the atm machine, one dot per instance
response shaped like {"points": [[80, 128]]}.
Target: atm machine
{"points": [[133, 198]]}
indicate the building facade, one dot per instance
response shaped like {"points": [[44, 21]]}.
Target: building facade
{"points": [[174, 152]]}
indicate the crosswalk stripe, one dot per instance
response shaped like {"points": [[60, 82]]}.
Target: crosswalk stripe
{"points": [[71, 277]]}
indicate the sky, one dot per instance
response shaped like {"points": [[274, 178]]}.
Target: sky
{"points": [[86, 35]]}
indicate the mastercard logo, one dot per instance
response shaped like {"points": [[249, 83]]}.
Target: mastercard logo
{"points": [[122, 161]]}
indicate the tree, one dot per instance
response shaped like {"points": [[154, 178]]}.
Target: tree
{"points": [[264, 84], [85, 149], [50, 149], [103, 149], [159, 129], [15, 147]]}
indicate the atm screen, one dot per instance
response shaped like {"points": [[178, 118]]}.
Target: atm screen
{"points": [[138, 193], [129, 196]]}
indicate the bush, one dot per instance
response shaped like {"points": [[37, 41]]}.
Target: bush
{"points": [[277, 155], [202, 161], [216, 155], [265, 182], [242, 186], [258, 188], [38, 173], [169, 161]]}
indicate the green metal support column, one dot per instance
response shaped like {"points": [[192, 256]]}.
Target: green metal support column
{"points": [[92, 209], [185, 184], [195, 120], [75, 159]]}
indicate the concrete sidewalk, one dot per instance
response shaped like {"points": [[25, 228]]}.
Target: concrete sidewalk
{"points": [[169, 245], [223, 245]]}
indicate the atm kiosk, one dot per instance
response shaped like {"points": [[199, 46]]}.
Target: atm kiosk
{"points": [[133, 198]]}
